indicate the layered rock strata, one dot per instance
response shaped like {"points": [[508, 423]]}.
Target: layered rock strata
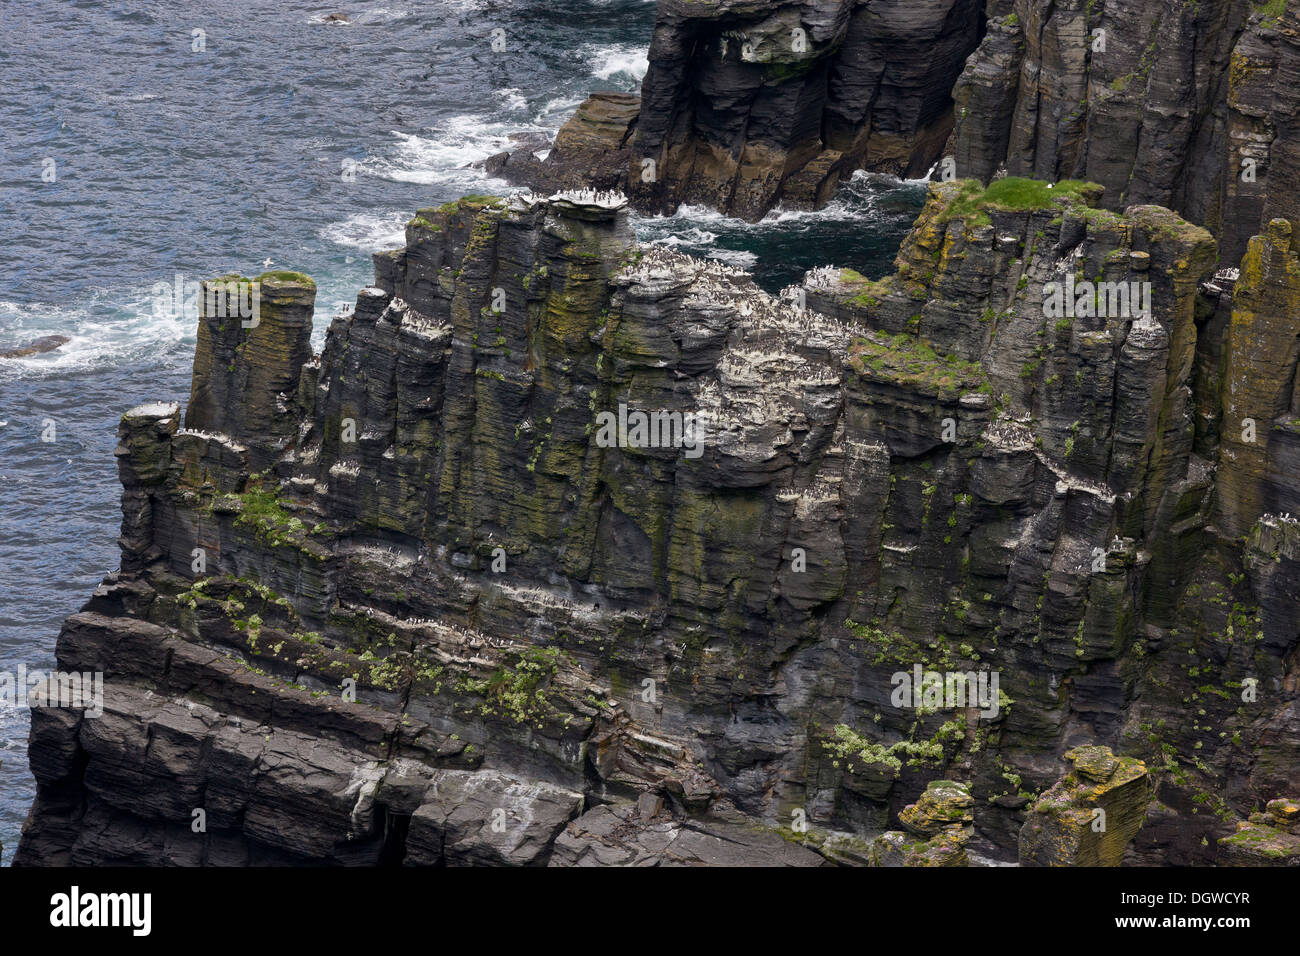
{"points": [[748, 104], [939, 825], [403, 601], [1090, 816], [1190, 106], [1271, 838]]}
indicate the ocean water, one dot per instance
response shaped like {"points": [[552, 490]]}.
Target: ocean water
{"points": [[145, 139]]}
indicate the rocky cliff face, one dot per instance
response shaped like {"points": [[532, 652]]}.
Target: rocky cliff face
{"points": [[403, 601], [1191, 106], [748, 104]]}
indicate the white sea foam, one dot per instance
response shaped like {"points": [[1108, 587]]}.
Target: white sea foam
{"points": [[702, 231], [368, 17], [617, 61], [512, 99], [739, 258], [691, 236], [442, 157], [369, 232], [555, 111], [105, 332]]}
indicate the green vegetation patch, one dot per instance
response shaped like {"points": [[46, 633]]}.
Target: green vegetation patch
{"points": [[471, 203], [863, 291], [1015, 194], [261, 508], [910, 361], [286, 275], [1270, 10], [858, 753], [517, 693]]}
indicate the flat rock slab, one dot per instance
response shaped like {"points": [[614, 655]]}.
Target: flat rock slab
{"points": [[620, 836]]}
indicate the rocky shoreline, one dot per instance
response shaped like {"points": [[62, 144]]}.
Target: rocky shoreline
{"points": [[396, 602]]}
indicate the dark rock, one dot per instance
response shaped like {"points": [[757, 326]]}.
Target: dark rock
{"points": [[46, 343], [370, 597], [591, 151], [747, 104], [1267, 839], [621, 836]]}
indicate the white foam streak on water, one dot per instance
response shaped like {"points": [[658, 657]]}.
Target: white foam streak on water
{"points": [[693, 236], [119, 328], [113, 329], [739, 258], [512, 99], [852, 204], [555, 111], [375, 16], [442, 158], [443, 155], [608, 62], [369, 232]]}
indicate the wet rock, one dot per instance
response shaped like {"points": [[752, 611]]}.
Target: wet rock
{"points": [[591, 151], [46, 343], [746, 105]]}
